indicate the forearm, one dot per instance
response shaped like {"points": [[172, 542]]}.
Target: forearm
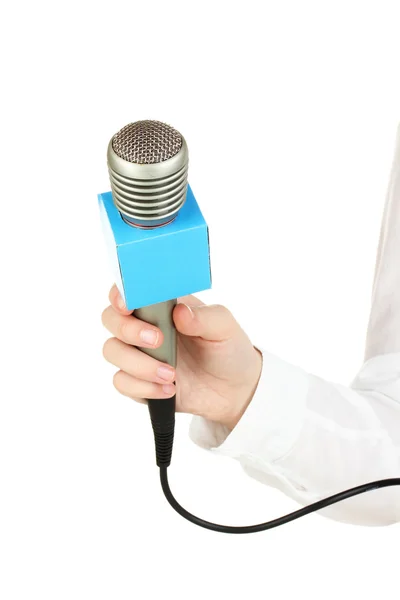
{"points": [[314, 438]]}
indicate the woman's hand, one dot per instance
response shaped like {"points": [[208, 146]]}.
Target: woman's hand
{"points": [[217, 371]]}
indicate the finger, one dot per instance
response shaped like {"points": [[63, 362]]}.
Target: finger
{"points": [[138, 389], [190, 301], [131, 330], [117, 301], [214, 322], [136, 363]]}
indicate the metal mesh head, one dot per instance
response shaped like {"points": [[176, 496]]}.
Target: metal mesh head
{"points": [[147, 142]]}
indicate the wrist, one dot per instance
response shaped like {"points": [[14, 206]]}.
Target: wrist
{"points": [[240, 407]]}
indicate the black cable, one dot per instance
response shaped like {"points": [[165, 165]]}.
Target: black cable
{"points": [[360, 489], [162, 414]]}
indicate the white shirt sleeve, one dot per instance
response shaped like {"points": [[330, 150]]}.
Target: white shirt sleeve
{"points": [[311, 438]]}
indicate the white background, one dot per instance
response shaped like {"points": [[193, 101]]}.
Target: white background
{"points": [[290, 111]]}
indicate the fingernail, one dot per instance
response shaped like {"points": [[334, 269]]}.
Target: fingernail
{"points": [[149, 336], [166, 373], [190, 310], [168, 389], [120, 302]]}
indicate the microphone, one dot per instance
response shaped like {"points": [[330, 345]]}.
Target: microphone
{"points": [[153, 204]]}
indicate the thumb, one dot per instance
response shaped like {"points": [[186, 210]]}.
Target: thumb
{"points": [[214, 322]]}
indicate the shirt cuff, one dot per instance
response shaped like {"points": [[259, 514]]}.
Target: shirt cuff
{"points": [[272, 422]]}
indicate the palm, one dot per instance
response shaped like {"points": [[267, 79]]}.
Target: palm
{"points": [[211, 376]]}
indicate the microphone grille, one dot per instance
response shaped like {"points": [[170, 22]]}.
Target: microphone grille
{"points": [[147, 142]]}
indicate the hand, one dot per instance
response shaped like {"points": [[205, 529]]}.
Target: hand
{"points": [[217, 371]]}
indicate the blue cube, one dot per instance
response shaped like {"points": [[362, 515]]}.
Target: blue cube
{"points": [[155, 265]]}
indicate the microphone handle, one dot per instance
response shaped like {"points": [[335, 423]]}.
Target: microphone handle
{"points": [[162, 411]]}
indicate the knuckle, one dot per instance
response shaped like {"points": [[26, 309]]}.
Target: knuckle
{"points": [[117, 381], [124, 330], [220, 307], [121, 386], [151, 393], [223, 310], [104, 316], [156, 391], [108, 347]]}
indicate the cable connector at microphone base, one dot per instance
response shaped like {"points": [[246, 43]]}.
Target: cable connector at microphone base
{"points": [[162, 415]]}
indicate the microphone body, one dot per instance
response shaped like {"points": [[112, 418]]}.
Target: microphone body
{"points": [[157, 240], [162, 412]]}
